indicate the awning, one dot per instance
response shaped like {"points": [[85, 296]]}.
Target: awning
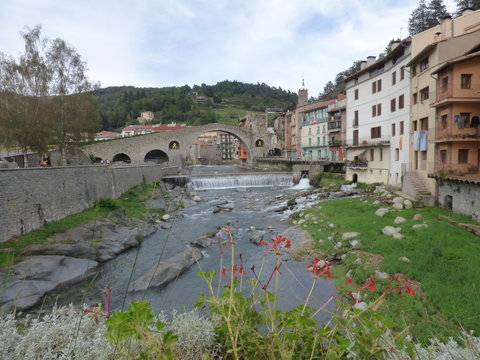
{"points": [[351, 155]]}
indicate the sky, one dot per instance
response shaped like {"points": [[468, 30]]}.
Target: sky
{"points": [[159, 43]]}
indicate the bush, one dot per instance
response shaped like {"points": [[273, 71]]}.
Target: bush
{"points": [[107, 203]]}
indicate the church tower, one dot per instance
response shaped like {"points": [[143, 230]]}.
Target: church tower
{"points": [[302, 95]]}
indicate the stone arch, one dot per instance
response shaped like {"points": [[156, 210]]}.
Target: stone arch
{"points": [[448, 202], [174, 145], [355, 178], [156, 156], [121, 157]]}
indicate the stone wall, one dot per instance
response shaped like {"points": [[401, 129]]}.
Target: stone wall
{"points": [[31, 197], [313, 169], [465, 196]]}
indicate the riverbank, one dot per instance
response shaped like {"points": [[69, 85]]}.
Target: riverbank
{"points": [[378, 236]]}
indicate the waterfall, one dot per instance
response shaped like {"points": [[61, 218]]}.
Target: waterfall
{"points": [[239, 181]]}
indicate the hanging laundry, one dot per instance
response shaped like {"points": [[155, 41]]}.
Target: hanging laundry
{"points": [[416, 140], [456, 121], [423, 140]]}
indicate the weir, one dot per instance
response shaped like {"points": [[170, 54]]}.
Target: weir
{"points": [[232, 181]]}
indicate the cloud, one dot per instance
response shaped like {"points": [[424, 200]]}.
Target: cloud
{"points": [[177, 42]]}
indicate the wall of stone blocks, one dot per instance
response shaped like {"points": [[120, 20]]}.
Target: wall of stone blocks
{"points": [[465, 197], [31, 197]]}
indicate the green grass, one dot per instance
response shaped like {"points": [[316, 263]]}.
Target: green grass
{"points": [[444, 260], [131, 204]]}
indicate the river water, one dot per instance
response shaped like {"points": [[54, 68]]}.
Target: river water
{"points": [[252, 206]]}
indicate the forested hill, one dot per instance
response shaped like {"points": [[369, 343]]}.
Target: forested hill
{"points": [[197, 105]]}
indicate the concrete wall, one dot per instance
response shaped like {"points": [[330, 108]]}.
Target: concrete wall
{"points": [[465, 196], [29, 198]]}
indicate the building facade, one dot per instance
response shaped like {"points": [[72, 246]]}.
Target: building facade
{"points": [[314, 130], [378, 118], [337, 118]]}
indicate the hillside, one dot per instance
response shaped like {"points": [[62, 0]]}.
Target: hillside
{"points": [[223, 102]]}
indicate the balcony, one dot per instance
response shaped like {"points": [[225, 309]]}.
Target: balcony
{"points": [[334, 125], [336, 143], [359, 164]]}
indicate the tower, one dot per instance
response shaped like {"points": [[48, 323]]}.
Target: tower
{"points": [[302, 94]]}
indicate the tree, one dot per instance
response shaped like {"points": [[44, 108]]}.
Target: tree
{"points": [[463, 4], [419, 19], [436, 12], [45, 96]]}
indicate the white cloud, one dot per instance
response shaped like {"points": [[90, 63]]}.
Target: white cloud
{"points": [[177, 42]]}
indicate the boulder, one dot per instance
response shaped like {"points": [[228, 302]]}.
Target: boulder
{"points": [[161, 274], [256, 239], [33, 277], [361, 306], [397, 205], [408, 204], [203, 241], [349, 235], [404, 259], [397, 236], [417, 217], [382, 211], [419, 226], [398, 200], [390, 230], [355, 244], [166, 217], [196, 198], [399, 220]]}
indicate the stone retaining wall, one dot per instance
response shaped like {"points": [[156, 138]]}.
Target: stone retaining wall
{"points": [[461, 196], [31, 197]]}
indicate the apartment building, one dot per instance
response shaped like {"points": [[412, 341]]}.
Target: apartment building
{"points": [[432, 52], [337, 117], [314, 130], [378, 118]]}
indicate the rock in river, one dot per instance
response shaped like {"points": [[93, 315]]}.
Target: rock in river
{"points": [[30, 279], [164, 272]]}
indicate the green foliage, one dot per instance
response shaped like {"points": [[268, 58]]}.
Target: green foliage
{"points": [[442, 259], [225, 102], [426, 16], [139, 322], [107, 203], [464, 4]]}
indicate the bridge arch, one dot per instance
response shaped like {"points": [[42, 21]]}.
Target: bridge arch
{"points": [[156, 156], [122, 157]]}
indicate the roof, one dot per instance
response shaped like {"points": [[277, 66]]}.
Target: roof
{"points": [[456, 60], [137, 127], [169, 127], [398, 51], [320, 105]]}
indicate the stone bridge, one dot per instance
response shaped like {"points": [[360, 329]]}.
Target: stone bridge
{"points": [[172, 145]]}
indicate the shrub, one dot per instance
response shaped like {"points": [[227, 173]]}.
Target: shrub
{"points": [[107, 203]]}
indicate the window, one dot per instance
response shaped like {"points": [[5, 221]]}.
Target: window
{"points": [[424, 94], [356, 94], [401, 101], [445, 84], [397, 154], [318, 140], [374, 87], [381, 154], [394, 78], [374, 110], [318, 129], [392, 105], [414, 70], [466, 81], [423, 124], [379, 109], [465, 119], [309, 141], [401, 127], [372, 154], [402, 73], [355, 119], [443, 156], [444, 121], [393, 129], [424, 64], [309, 131], [355, 137], [415, 98], [376, 132], [463, 156], [379, 85]]}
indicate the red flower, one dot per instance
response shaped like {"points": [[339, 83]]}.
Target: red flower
{"points": [[370, 284], [319, 267], [277, 244]]}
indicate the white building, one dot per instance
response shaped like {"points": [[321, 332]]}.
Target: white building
{"points": [[378, 105]]}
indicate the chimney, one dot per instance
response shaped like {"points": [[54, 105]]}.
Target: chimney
{"points": [[446, 28], [370, 60], [363, 65]]}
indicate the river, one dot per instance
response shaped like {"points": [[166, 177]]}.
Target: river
{"points": [[252, 206]]}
